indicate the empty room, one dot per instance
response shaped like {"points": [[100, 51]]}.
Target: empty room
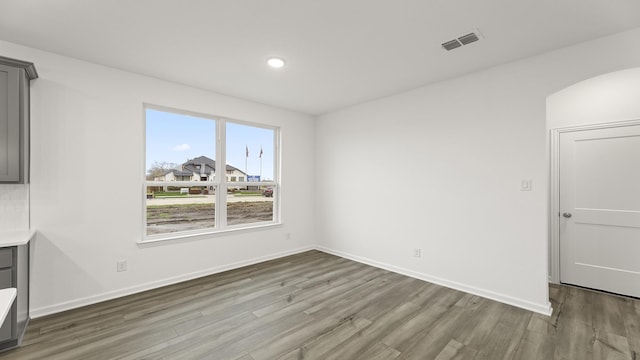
{"points": [[300, 179]]}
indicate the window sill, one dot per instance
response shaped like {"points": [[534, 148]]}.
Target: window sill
{"points": [[172, 238]]}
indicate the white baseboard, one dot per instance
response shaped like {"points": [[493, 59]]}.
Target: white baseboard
{"points": [[544, 309], [73, 304]]}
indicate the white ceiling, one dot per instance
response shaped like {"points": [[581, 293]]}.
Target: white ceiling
{"points": [[338, 52]]}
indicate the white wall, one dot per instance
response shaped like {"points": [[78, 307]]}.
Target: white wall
{"points": [[612, 97], [14, 206], [87, 125], [467, 142]]}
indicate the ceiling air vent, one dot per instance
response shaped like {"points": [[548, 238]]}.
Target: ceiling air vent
{"points": [[450, 45], [468, 39], [462, 40]]}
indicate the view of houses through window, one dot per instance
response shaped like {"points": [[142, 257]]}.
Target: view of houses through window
{"points": [[186, 192]]}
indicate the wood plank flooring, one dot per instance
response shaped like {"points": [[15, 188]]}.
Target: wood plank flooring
{"points": [[318, 306]]}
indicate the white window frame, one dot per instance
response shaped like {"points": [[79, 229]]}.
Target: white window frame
{"points": [[220, 184]]}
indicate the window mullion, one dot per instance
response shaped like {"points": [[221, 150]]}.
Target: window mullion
{"points": [[221, 175], [277, 215]]}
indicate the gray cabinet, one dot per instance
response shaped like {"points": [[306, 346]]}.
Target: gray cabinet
{"points": [[14, 273], [14, 119]]}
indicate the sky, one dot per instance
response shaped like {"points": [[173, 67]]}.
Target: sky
{"points": [[175, 138]]}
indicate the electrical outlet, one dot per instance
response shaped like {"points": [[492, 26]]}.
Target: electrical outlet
{"points": [[121, 266], [525, 185], [417, 252], [288, 236]]}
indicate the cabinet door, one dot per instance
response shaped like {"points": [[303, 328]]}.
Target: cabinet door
{"points": [[9, 124], [6, 278]]}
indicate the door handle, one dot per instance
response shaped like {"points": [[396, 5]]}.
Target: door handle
{"points": [[567, 215]]}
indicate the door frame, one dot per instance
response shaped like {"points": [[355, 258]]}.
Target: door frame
{"points": [[554, 189]]}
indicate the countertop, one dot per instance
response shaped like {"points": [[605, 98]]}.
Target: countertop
{"points": [[7, 296], [16, 237]]}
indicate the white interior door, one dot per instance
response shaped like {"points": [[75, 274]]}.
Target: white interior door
{"points": [[600, 209]]}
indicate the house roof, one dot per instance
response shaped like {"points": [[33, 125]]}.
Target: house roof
{"points": [[210, 165], [201, 160], [176, 172], [232, 168]]}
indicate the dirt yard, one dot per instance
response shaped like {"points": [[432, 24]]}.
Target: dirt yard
{"points": [[162, 219]]}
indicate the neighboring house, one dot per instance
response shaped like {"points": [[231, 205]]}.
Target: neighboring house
{"points": [[174, 175], [201, 168]]}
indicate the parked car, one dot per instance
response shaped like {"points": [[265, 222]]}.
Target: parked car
{"points": [[268, 192]]}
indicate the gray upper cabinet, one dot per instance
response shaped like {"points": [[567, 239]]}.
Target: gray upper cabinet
{"points": [[14, 119]]}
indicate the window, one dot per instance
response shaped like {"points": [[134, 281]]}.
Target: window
{"points": [[257, 146], [183, 150]]}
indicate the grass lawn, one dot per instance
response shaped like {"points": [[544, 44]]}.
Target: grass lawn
{"points": [[182, 206], [248, 193], [169, 194]]}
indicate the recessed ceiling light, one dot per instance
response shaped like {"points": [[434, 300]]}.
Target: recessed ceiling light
{"points": [[275, 62]]}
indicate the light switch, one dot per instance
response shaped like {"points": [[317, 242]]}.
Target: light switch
{"points": [[525, 185]]}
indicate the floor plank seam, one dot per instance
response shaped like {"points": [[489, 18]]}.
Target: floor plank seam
{"points": [[317, 306]]}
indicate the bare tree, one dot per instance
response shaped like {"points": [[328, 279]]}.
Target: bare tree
{"points": [[159, 168]]}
